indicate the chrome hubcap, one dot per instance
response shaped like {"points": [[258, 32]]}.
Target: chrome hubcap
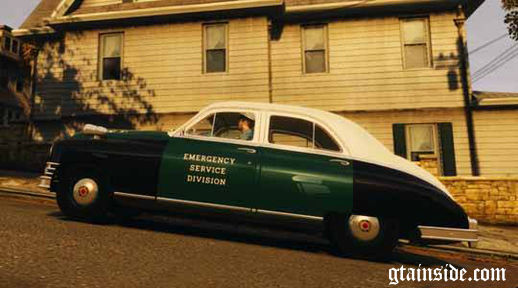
{"points": [[364, 228], [85, 191]]}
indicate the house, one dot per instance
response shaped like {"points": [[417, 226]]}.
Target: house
{"points": [[398, 68], [10, 81], [495, 117], [14, 103]]}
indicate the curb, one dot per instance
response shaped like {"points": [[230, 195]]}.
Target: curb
{"points": [[490, 253], [23, 192]]}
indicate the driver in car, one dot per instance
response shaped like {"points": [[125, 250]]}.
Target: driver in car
{"points": [[246, 126]]}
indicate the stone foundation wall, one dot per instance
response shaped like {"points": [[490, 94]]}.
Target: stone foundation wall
{"points": [[488, 199], [430, 164]]}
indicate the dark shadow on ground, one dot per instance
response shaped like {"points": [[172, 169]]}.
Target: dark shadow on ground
{"points": [[252, 233]]}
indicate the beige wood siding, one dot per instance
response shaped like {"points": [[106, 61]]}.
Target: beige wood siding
{"points": [[366, 70], [163, 71], [91, 3], [379, 124], [496, 134]]}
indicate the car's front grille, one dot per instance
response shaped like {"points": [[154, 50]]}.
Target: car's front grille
{"points": [[46, 178]]}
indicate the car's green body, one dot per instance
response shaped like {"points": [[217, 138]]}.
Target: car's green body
{"points": [[269, 179]]}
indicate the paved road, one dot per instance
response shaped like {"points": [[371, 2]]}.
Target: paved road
{"points": [[41, 248]]}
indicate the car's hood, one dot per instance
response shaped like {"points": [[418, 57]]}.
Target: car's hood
{"points": [[134, 134], [125, 134]]}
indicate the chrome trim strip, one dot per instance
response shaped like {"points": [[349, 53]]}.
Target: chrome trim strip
{"points": [[276, 213], [218, 206], [204, 204], [247, 150], [145, 197], [446, 233]]}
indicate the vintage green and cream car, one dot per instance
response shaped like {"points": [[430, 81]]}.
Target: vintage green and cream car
{"points": [[260, 161]]}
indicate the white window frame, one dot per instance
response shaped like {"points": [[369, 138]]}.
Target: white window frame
{"points": [[326, 47], [204, 46], [427, 37], [101, 56]]}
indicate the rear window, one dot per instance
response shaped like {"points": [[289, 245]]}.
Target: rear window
{"points": [[297, 132]]}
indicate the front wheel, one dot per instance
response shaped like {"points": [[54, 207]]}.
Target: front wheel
{"points": [[367, 236], [83, 194]]}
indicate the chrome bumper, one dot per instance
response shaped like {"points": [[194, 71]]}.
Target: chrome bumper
{"points": [[451, 234], [46, 178]]}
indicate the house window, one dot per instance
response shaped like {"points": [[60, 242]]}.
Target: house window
{"points": [[215, 46], [110, 61], [416, 42], [314, 38], [15, 46], [421, 140], [411, 141], [7, 43]]}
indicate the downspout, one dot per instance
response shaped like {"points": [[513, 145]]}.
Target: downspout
{"points": [[270, 76], [466, 89], [34, 80]]}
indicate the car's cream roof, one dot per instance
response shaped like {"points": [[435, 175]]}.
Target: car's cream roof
{"points": [[357, 140], [360, 144]]}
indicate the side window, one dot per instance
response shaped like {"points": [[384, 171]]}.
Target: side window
{"points": [[228, 125], [290, 131], [202, 128], [299, 133], [324, 141]]}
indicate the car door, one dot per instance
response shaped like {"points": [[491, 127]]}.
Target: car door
{"points": [[303, 170], [208, 164]]}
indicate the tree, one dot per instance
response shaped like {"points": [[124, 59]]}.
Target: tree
{"points": [[511, 18]]}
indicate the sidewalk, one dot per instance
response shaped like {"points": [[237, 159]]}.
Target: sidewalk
{"points": [[503, 240]]}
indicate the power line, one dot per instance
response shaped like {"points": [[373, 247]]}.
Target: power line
{"points": [[496, 66], [489, 43], [495, 60]]}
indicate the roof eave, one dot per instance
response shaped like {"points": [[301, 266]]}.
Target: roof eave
{"points": [[163, 11], [364, 5], [33, 31]]}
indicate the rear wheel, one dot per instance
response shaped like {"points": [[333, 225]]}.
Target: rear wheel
{"points": [[83, 194], [363, 235]]}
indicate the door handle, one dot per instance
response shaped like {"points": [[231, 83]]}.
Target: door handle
{"points": [[341, 162], [247, 150]]}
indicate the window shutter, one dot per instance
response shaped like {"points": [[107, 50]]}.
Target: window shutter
{"points": [[447, 149], [398, 132]]}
